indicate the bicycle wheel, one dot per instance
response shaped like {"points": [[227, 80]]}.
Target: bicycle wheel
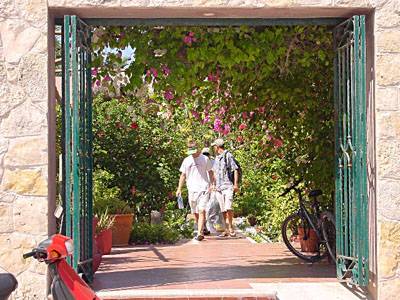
{"points": [[302, 242], [329, 232]]}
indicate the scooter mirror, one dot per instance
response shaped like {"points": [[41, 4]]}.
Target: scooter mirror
{"points": [[58, 212]]}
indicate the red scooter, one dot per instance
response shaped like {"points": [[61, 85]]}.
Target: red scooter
{"points": [[66, 283]]}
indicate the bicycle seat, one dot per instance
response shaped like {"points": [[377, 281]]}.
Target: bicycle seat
{"points": [[314, 193]]}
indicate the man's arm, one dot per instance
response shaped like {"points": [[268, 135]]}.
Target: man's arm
{"points": [[180, 185], [212, 180], [236, 180]]}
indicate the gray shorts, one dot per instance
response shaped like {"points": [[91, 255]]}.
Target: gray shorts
{"points": [[198, 201]]}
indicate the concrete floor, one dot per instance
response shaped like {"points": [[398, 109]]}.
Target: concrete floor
{"points": [[215, 267]]}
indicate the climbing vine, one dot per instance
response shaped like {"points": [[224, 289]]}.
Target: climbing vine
{"points": [[267, 89]]}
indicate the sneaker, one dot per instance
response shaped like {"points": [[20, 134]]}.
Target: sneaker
{"points": [[199, 238], [206, 231]]}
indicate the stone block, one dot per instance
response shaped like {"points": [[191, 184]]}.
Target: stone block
{"points": [[30, 215], [388, 199], [388, 125], [6, 218], [386, 17], [11, 96], [389, 250], [25, 182], [33, 11], [388, 71], [314, 2], [32, 285], [17, 39], [26, 152], [388, 157], [33, 75], [387, 98], [388, 41], [389, 289], [26, 119], [6, 197], [7, 9], [56, 3], [352, 3]]}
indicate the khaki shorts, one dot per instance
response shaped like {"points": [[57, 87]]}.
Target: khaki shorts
{"points": [[198, 201], [225, 199]]}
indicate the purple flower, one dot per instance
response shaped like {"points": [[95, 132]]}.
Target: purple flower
{"points": [[195, 114], [154, 71], [168, 96]]}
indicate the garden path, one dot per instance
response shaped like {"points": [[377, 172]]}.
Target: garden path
{"points": [[213, 266]]}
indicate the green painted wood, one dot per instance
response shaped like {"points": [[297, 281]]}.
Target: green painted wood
{"points": [[210, 21], [350, 147], [77, 152], [67, 130], [75, 146]]}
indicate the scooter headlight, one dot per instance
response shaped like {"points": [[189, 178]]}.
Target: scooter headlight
{"points": [[70, 246]]}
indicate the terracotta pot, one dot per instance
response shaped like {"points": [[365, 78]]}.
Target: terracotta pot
{"points": [[99, 240], [252, 221], [97, 256], [309, 245], [107, 241], [121, 229], [94, 223]]}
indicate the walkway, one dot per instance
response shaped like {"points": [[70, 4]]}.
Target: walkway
{"points": [[213, 267]]}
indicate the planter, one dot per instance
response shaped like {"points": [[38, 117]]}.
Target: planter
{"points": [[309, 245], [104, 241], [121, 229], [97, 256], [252, 221]]}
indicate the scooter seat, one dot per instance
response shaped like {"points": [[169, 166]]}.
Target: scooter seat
{"points": [[8, 284]]}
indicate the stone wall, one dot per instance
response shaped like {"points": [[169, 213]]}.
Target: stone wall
{"points": [[23, 140], [25, 117]]}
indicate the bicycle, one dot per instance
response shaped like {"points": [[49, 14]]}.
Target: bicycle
{"points": [[310, 236]]}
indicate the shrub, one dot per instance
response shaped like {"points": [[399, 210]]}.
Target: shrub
{"points": [[143, 233]]}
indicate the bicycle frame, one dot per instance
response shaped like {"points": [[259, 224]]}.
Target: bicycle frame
{"points": [[304, 212]]}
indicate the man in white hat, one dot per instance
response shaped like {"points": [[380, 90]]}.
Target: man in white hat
{"points": [[222, 185], [196, 170]]}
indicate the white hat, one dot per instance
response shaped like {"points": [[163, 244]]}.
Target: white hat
{"points": [[205, 150], [218, 142]]}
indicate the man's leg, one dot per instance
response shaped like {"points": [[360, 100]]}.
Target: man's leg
{"points": [[228, 196], [230, 218], [200, 223]]}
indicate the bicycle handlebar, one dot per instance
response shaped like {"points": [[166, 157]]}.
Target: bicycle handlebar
{"points": [[296, 183]]}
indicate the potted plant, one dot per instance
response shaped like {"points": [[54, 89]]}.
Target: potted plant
{"points": [[107, 197], [104, 232]]}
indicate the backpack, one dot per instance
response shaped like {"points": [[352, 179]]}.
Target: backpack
{"points": [[231, 173]]}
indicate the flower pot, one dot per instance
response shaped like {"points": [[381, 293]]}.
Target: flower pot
{"points": [[99, 240], [107, 241], [252, 221], [95, 220], [97, 256], [121, 229], [311, 243]]}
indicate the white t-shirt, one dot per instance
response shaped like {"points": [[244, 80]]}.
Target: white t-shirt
{"points": [[196, 171]]}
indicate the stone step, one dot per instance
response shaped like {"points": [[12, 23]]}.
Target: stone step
{"points": [[212, 294]]}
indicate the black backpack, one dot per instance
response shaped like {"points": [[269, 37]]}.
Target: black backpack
{"points": [[231, 173]]}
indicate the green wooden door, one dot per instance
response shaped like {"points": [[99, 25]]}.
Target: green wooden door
{"points": [[77, 142], [350, 151]]}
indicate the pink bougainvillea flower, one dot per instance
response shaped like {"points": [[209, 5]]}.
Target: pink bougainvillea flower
{"points": [[244, 115], [119, 124], [251, 113], [149, 152], [166, 70], [134, 126], [226, 131], [169, 96], [101, 134], [107, 117], [191, 33], [154, 71], [98, 82], [194, 39], [193, 92], [183, 105], [107, 78], [240, 139], [279, 155], [242, 126], [170, 89], [94, 72], [187, 40], [178, 101], [195, 113], [266, 154], [133, 190], [269, 137]]}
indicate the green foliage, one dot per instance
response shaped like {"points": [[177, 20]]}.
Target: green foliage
{"points": [[176, 219], [107, 198], [143, 233], [105, 221]]}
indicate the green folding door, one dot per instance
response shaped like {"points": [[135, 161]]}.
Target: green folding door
{"points": [[77, 161], [351, 151]]}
